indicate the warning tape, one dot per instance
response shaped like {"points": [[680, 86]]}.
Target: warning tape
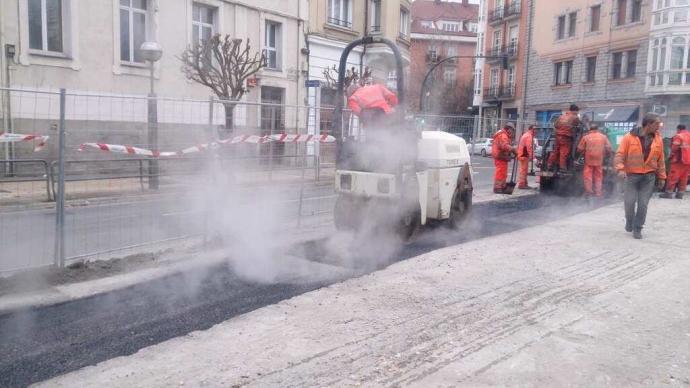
{"points": [[17, 137], [250, 139]]}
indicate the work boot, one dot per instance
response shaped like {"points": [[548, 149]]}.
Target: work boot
{"points": [[637, 234], [628, 226], [525, 187], [667, 195], [498, 190], [679, 195]]}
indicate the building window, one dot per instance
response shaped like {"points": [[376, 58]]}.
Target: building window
{"points": [[451, 26], [272, 45], [404, 23], [677, 58], [680, 16], [449, 76], [202, 23], [271, 110], [591, 69], [497, 41], [473, 27], [478, 82], [493, 80], [340, 13], [560, 29], [376, 17], [617, 66], [511, 80], [621, 13], [451, 51], [595, 18], [132, 29], [631, 63], [427, 24], [432, 55], [45, 25], [572, 24], [636, 14], [563, 73]]}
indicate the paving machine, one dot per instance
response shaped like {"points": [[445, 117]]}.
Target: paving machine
{"points": [[569, 182], [391, 174]]}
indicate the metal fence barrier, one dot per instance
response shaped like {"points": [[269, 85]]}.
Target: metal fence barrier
{"points": [[31, 175]]}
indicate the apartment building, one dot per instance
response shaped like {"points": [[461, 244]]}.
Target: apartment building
{"points": [[479, 54], [505, 36], [442, 30], [93, 47], [668, 64], [592, 53]]}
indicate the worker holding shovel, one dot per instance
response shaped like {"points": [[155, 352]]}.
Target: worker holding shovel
{"points": [[502, 151]]}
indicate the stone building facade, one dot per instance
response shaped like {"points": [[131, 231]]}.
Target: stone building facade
{"points": [[589, 52]]}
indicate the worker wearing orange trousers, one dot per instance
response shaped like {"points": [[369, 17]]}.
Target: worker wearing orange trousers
{"points": [[565, 126], [595, 146], [680, 163], [525, 154], [502, 152]]}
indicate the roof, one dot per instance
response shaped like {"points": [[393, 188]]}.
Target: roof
{"points": [[434, 10]]}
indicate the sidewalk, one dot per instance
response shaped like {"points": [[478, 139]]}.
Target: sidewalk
{"points": [[575, 302]]}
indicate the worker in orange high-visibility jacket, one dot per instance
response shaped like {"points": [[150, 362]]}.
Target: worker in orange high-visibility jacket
{"points": [[565, 126], [525, 155], [595, 146], [502, 151], [371, 103], [680, 163], [640, 160]]}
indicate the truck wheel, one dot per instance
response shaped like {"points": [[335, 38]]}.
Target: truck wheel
{"points": [[460, 208], [408, 223], [346, 213]]}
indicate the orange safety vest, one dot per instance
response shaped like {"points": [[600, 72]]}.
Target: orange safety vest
{"points": [[630, 157], [566, 124], [526, 146], [372, 97], [680, 147], [500, 148], [595, 146]]}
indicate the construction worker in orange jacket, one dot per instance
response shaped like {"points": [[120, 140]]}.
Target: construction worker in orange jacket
{"points": [[565, 126], [640, 160], [371, 103], [680, 163], [525, 154], [502, 151], [595, 146]]}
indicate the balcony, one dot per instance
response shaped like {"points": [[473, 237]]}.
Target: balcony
{"points": [[510, 51], [499, 92], [668, 82], [507, 12]]}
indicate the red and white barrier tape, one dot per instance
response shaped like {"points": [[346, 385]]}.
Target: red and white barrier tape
{"points": [[251, 139], [17, 137]]}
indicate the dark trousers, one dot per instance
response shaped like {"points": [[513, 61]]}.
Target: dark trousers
{"points": [[638, 190]]}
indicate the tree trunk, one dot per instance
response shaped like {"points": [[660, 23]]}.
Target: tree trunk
{"points": [[229, 117]]}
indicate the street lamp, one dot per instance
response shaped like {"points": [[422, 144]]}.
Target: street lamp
{"points": [[152, 52]]}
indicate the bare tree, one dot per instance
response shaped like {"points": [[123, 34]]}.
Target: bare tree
{"points": [[223, 64], [351, 76]]}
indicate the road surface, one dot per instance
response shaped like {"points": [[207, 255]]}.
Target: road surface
{"points": [[45, 342]]}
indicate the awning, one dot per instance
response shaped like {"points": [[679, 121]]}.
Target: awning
{"points": [[613, 114]]}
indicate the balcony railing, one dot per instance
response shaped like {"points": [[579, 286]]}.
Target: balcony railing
{"points": [[506, 12], [499, 92], [341, 23], [511, 51]]}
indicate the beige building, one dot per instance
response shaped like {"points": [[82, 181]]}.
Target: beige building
{"points": [[93, 47], [335, 23], [589, 52]]}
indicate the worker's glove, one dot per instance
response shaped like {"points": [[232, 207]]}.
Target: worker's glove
{"points": [[661, 184]]}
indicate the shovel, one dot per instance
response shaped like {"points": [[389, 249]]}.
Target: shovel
{"points": [[510, 186]]}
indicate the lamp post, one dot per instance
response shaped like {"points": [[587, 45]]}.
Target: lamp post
{"points": [[152, 52]]}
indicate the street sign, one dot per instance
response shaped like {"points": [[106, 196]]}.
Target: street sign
{"points": [[312, 83]]}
